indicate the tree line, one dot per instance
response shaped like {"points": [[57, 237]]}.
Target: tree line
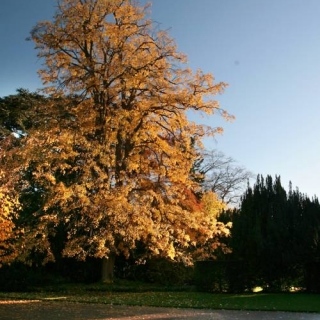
{"points": [[273, 242], [274, 239]]}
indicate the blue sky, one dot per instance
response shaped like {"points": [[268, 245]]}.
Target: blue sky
{"points": [[268, 51]]}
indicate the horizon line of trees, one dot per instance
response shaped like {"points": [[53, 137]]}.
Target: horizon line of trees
{"points": [[275, 239]]}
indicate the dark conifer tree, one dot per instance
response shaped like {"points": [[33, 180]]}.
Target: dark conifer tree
{"points": [[275, 234]]}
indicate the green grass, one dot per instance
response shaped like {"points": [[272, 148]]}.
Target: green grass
{"points": [[143, 295]]}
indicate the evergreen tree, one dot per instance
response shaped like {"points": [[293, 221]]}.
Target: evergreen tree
{"points": [[275, 234]]}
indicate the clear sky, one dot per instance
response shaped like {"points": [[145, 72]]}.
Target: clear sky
{"points": [[268, 51]]}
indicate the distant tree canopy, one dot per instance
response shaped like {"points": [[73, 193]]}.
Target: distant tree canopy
{"points": [[275, 234], [20, 112], [107, 156]]}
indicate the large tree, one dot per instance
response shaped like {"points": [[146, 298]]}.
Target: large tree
{"points": [[113, 159]]}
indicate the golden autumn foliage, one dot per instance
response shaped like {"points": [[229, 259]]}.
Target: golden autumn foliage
{"points": [[9, 206], [212, 206], [115, 151]]}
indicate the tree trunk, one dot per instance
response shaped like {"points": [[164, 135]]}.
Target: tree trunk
{"points": [[107, 269]]}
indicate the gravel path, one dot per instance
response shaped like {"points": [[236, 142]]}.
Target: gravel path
{"points": [[39, 310]]}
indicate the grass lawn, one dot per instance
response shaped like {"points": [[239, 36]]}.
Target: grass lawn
{"points": [[143, 295]]}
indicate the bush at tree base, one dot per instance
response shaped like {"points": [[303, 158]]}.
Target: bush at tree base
{"points": [[234, 277], [156, 270], [312, 276], [20, 277], [220, 276]]}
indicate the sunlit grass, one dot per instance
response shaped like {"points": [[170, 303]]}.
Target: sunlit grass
{"points": [[180, 299]]}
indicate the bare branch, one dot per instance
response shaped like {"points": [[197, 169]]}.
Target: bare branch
{"points": [[224, 176]]}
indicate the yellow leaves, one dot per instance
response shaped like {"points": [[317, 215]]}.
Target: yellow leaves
{"points": [[6, 224], [171, 252], [211, 204], [8, 198], [6, 205], [114, 160], [9, 206]]}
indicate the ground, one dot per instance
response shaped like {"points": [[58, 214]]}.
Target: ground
{"points": [[39, 310]]}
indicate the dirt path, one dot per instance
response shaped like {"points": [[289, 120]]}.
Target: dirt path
{"points": [[39, 310]]}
